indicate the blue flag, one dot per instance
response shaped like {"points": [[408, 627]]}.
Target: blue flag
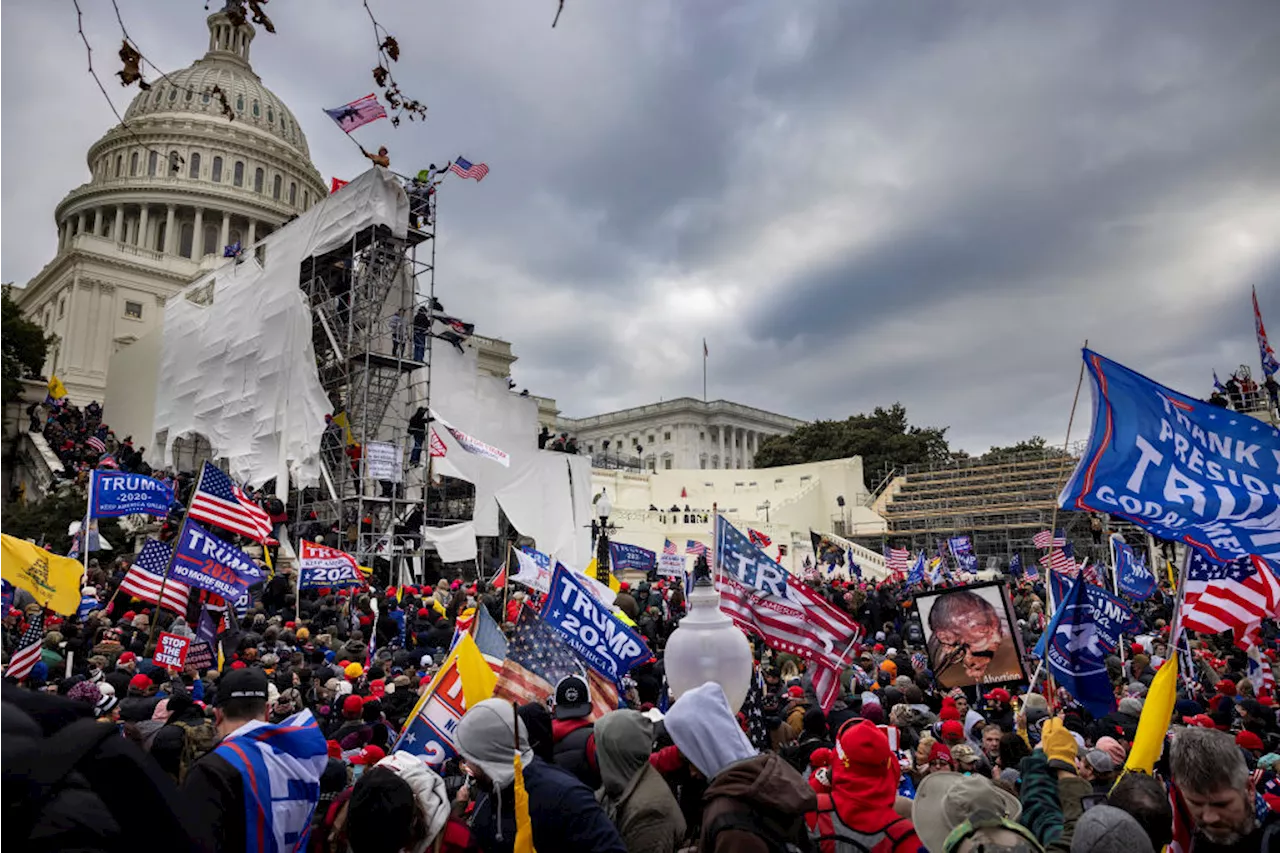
{"points": [[1075, 649], [88, 604], [1132, 574], [586, 625], [115, 493], [631, 557], [1183, 469], [1015, 564], [855, 571], [744, 561], [204, 561], [916, 575], [960, 545]]}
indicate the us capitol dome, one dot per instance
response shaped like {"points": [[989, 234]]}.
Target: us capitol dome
{"points": [[166, 194]]}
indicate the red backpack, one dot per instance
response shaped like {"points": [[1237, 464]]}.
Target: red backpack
{"points": [[832, 835]]}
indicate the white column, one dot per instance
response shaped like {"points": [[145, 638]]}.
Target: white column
{"points": [[253, 236], [142, 229], [720, 430], [118, 233], [226, 234], [755, 445], [62, 237], [197, 236], [170, 245], [80, 224], [739, 447], [101, 325], [97, 222]]}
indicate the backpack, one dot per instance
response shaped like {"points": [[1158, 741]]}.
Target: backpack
{"points": [[829, 834], [196, 741], [768, 831]]}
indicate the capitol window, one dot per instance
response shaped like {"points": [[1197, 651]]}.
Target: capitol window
{"points": [[133, 309], [119, 164], [257, 111], [173, 95], [276, 185], [62, 307], [153, 160], [238, 177], [217, 170], [206, 97], [174, 161], [258, 176], [194, 172], [133, 164], [239, 103], [271, 116], [293, 194], [190, 94], [666, 436]]}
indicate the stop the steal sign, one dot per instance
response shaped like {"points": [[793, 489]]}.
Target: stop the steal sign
{"points": [[171, 651]]}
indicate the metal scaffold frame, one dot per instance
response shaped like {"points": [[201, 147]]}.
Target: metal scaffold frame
{"points": [[376, 370]]}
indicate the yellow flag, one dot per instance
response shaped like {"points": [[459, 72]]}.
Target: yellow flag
{"points": [[524, 828], [341, 420], [591, 570], [53, 580], [477, 677], [1173, 580], [1148, 743], [56, 389]]}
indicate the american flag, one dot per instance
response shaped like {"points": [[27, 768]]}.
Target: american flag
{"points": [[697, 549], [357, 113], [146, 576], [220, 502], [96, 443], [669, 547], [1045, 539], [108, 461], [896, 560], [1093, 576], [1233, 596], [804, 625], [758, 538], [1061, 560], [1260, 674], [464, 168], [27, 655], [536, 661]]}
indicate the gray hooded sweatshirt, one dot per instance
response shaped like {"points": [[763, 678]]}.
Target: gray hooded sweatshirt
{"points": [[634, 795]]}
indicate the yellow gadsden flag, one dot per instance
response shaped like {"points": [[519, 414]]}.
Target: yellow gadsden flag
{"points": [[53, 580], [56, 389], [1153, 725]]}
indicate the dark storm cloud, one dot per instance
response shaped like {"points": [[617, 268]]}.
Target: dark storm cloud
{"points": [[855, 202]]}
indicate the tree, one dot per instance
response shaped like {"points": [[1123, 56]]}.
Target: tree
{"points": [[25, 347], [882, 438], [1035, 446], [48, 520]]}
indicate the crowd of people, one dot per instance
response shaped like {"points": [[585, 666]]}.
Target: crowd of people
{"points": [[329, 681], [81, 441]]}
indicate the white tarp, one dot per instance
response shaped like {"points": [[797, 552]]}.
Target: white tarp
{"points": [[241, 369], [454, 544]]}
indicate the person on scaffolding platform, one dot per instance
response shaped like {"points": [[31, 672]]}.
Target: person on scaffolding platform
{"points": [[421, 328], [418, 432]]}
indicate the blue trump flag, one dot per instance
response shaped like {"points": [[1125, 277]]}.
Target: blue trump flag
{"points": [[741, 559], [1075, 648], [1015, 564], [586, 625], [1183, 469], [115, 493], [1132, 574], [203, 560], [631, 557], [916, 575]]}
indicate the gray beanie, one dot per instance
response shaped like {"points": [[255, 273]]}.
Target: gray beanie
{"points": [[1107, 829], [1131, 706]]}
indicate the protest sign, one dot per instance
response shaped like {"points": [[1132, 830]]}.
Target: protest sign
{"points": [[200, 655], [671, 565], [587, 626], [171, 650], [383, 461], [116, 493]]}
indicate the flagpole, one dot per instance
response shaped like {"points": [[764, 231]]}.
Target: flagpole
{"points": [[506, 587], [173, 551], [84, 527], [1115, 585], [704, 370]]}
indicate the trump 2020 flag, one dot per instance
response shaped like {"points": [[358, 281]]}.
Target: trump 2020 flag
{"points": [[1183, 469], [586, 625], [205, 561], [319, 566], [626, 556], [1132, 574], [116, 493], [1075, 650]]}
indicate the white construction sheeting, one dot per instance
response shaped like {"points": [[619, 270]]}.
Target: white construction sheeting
{"points": [[454, 544], [545, 495], [241, 370]]}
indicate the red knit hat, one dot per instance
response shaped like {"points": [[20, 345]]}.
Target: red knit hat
{"points": [[139, 681], [423, 613], [862, 759], [335, 748], [820, 757], [949, 712], [952, 731], [1248, 740], [796, 691], [352, 705], [1227, 687], [127, 657]]}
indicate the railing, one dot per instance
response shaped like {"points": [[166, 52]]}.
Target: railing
{"points": [[880, 487]]}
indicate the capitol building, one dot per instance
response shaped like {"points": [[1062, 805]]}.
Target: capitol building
{"points": [[169, 189]]}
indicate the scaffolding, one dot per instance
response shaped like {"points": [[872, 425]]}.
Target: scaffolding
{"points": [[373, 304]]}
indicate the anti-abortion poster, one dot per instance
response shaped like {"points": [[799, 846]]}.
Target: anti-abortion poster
{"points": [[970, 636]]}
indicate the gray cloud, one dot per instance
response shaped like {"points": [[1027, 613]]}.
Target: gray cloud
{"points": [[854, 202]]}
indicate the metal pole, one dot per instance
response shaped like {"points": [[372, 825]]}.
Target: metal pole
{"points": [[173, 552]]}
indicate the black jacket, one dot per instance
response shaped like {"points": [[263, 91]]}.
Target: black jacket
{"points": [[570, 753], [564, 814], [214, 791]]}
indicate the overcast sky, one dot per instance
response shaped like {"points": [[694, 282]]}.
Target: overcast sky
{"points": [[853, 202]]}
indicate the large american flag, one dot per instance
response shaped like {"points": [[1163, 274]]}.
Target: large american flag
{"points": [[357, 113], [697, 549], [536, 661], [220, 502], [146, 576], [1092, 574], [669, 547], [1233, 596], [804, 625], [464, 168], [96, 443], [896, 560], [27, 655], [1046, 539], [1059, 560]]}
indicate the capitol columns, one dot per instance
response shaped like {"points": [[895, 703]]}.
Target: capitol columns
{"points": [[226, 233], [170, 244], [253, 234], [118, 233], [97, 221], [197, 236], [141, 236], [724, 463]]}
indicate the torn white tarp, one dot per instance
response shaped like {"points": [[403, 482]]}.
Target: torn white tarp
{"points": [[454, 544], [237, 364]]}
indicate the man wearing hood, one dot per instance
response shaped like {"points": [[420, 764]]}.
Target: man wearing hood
{"points": [[401, 805], [864, 785], [634, 795], [562, 811], [753, 803]]}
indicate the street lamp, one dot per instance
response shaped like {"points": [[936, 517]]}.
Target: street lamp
{"points": [[765, 506], [603, 508], [707, 646]]}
